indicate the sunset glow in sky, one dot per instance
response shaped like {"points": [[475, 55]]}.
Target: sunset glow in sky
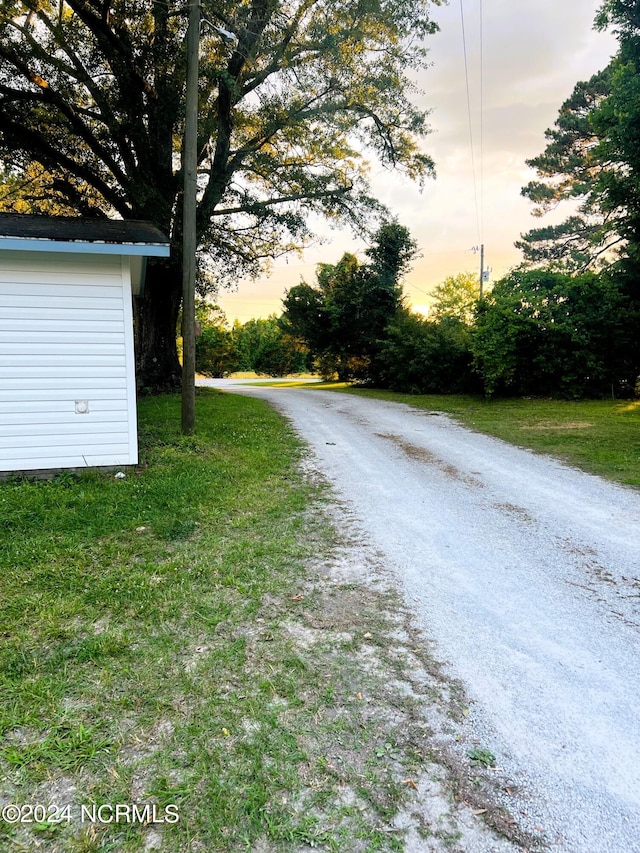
{"points": [[533, 55]]}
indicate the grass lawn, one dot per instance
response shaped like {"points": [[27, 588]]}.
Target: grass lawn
{"points": [[177, 639], [598, 436], [124, 614]]}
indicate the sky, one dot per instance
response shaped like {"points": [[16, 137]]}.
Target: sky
{"points": [[533, 54]]}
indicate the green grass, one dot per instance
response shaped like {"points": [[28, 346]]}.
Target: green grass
{"points": [[598, 436], [127, 615]]}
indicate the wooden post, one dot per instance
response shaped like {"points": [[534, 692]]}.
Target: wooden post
{"points": [[189, 240]]}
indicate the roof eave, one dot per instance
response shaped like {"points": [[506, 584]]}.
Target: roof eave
{"points": [[38, 244]]}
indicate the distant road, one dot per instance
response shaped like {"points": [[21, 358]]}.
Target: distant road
{"points": [[526, 575]]}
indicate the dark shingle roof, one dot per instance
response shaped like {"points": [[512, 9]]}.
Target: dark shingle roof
{"points": [[70, 229]]}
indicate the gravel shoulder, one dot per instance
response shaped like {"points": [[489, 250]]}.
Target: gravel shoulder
{"points": [[522, 576]]}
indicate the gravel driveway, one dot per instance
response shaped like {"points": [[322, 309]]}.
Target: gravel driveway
{"points": [[525, 575]]}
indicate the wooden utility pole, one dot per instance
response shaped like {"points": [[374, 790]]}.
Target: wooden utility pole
{"points": [[481, 269], [189, 240]]}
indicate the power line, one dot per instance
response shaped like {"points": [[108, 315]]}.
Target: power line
{"points": [[478, 194], [473, 158], [481, 125]]}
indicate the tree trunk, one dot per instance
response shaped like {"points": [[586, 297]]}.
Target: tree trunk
{"points": [[155, 320]]}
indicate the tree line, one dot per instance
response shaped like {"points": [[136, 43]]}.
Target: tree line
{"points": [[538, 332], [258, 346]]}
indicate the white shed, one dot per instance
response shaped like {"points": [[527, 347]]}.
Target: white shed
{"points": [[67, 369]]}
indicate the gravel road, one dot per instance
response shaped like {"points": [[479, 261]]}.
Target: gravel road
{"points": [[525, 574]]}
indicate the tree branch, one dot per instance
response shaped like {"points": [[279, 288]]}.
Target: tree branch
{"points": [[47, 154], [256, 206]]}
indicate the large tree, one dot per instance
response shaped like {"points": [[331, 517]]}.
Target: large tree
{"points": [[343, 319], [570, 169], [617, 123], [593, 158], [293, 98]]}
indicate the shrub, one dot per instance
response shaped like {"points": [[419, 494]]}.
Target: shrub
{"points": [[420, 356]]}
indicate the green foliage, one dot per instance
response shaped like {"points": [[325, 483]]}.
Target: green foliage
{"points": [[262, 346], [549, 334], [350, 306], [421, 356], [539, 332], [392, 253], [216, 354], [482, 756], [546, 333], [32, 188], [305, 317], [593, 157], [432, 355], [456, 297], [344, 318], [570, 169], [215, 349]]}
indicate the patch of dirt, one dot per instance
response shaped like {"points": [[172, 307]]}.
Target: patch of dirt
{"points": [[390, 750], [423, 455], [594, 577], [515, 511]]}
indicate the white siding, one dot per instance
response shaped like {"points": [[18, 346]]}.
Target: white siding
{"points": [[66, 336]]}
